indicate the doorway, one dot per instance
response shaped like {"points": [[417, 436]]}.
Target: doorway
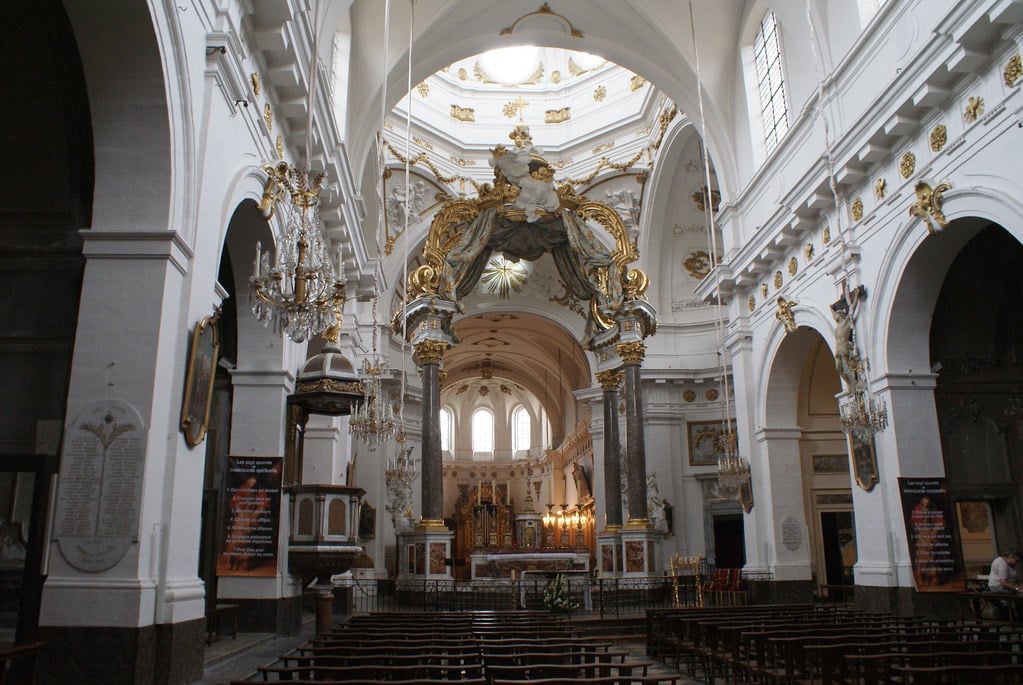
{"points": [[729, 541], [838, 547]]}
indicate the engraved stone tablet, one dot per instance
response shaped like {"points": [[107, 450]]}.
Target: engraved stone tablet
{"points": [[100, 486], [791, 533]]}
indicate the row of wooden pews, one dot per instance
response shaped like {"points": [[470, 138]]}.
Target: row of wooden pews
{"points": [[825, 645], [470, 648]]}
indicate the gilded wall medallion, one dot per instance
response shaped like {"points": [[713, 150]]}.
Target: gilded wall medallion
{"points": [[763, 290], [777, 280], [557, 116], [462, 74], [636, 82], [712, 394], [751, 303], [793, 266], [689, 395], [599, 93], [974, 108], [939, 136], [880, 187], [785, 315], [279, 146], [256, 86], [1013, 71], [698, 264], [809, 252], [907, 165], [268, 117], [423, 89], [856, 209], [826, 235]]}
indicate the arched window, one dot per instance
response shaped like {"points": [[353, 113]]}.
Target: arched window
{"points": [[446, 425], [483, 432], [770, 81], [521, 437]]}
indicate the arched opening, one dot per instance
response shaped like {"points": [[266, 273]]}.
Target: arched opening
{"points": [[977, 352]]}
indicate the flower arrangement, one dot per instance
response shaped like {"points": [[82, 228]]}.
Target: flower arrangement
{"points": [[556, 597]]}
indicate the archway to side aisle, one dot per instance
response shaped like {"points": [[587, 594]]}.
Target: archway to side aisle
{"points": [[806, 513]]}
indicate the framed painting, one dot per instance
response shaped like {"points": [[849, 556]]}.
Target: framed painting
{"points": [[202, 364], [704, 441]]}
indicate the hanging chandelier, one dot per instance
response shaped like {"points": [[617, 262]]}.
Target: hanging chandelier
{"points": [[373, 421], [400, 473], [301, 288], [733, 469], [863, 415]]}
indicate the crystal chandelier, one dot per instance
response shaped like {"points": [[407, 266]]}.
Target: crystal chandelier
{"points": [[399, 475], [863, 415], [733, 470], [373, 422], [300, 290]]}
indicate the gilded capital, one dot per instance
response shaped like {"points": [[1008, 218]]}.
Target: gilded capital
{"points": [[431, 351], [609, 380], [631, 352]]}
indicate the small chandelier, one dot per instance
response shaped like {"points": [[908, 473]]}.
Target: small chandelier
{"points": [[373, 422], [863, 415], [302, 288], [733, 470]]}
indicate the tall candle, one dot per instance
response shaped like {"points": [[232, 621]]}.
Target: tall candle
{"points": [[255, 264]]}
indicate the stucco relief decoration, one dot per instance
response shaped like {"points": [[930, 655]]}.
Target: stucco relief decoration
{"points": [[938, 137], [763, 290], [268, 117], [700, 199], [880, 188], [856, 209], [928, 205], [793, 266], [751, 303], [698, 264], [785, 315], [467, 114], [599, 93], [418, 194], [809, 252], [626, 203], [256, 86], [826, 235], [1013, 71], [689, 395], [907, 165], [423, 89], [778, 280], [974, 108]]}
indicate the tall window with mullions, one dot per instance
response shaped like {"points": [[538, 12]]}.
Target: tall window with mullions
{"points": [[770, 80]]}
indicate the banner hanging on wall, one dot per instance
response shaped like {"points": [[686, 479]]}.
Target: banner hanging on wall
{"points": [[252, 499], [931, 533]]}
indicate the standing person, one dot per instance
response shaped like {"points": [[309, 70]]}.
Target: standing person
{"points": [[1004, 576]]}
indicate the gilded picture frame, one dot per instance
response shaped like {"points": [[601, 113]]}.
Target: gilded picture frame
{"points": [[864, 461], [703, 439], [202, 365]]}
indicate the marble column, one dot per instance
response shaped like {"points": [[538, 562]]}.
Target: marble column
{"points": [[429, 354], [609, 382], [632, 354]]}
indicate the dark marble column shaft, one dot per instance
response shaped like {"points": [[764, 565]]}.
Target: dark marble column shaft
{"points": [[612, 461], [635, 447], [432, 464]]}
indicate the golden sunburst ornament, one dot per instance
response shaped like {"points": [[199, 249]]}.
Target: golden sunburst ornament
{"points": [[503, 277]]}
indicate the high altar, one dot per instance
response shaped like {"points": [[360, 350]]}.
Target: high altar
{"points": [[496, 543]]}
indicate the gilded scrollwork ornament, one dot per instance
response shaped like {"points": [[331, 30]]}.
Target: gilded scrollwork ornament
{"points": [[938, 138], [785, 315], [974, 108], [431, 351], [907, 165], [928, 205], [856, 209]]}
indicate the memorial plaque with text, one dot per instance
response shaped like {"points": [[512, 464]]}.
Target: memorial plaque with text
{"points": [[100, 486]]}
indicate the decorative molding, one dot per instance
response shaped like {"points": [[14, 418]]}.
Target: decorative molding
{"points": [[463, 113], [826, 235], [631, 352], [809, 252], [604, 147], [778, 280], [609, 380], [880, 186], [599, 93], [974, 108], [907, 165], [698, 264], [938, 137], [793, 266], [784, 314], [928, 204], [751, 303], [700, 199], [763, 290], [856, 209], [254, 80], [1013, 71], [431, 351], [544, 11], [268, 117], [423, 88], [557, 116], [636, 82], [279, 146]]}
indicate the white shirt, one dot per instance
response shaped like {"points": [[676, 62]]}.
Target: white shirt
{"points": [[1000, 569]]}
